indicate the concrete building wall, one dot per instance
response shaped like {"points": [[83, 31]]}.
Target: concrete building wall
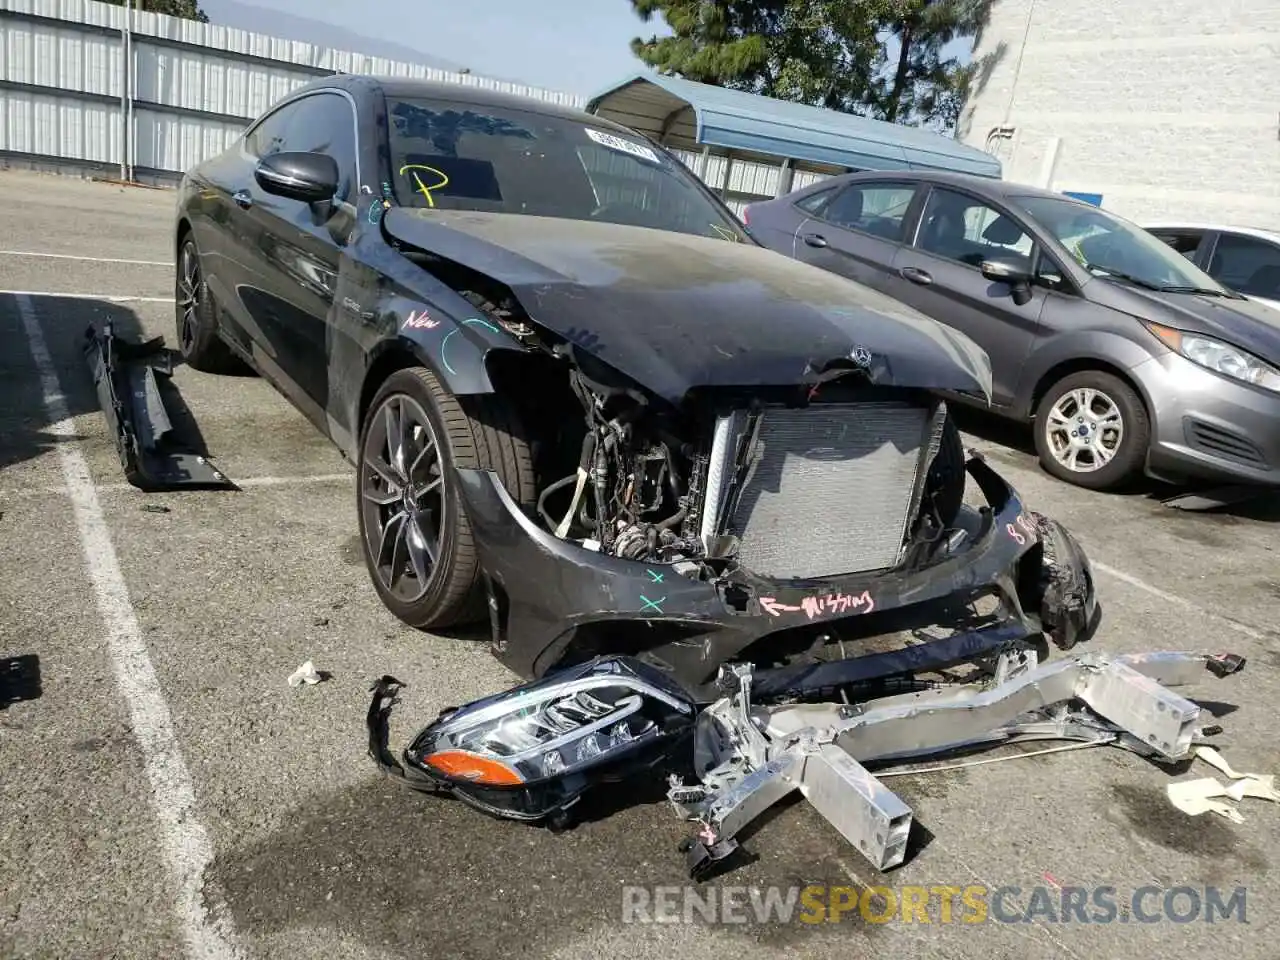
{"points": [[1168, 110]]}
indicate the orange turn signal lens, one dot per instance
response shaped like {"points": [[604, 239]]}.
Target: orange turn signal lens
{"points": [[1170, 337], [462, 765]]}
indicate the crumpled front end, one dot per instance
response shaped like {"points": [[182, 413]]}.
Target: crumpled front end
{"points": [[995, 576]]}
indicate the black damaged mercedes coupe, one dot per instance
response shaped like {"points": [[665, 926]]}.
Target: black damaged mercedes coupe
{"points": [[586, 406]]}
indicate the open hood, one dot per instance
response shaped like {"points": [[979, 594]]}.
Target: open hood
{"points": [[675, 311]]}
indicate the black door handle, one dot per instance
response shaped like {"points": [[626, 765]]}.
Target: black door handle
{"points": [[243, 200], [815, 239], [915, 275]]}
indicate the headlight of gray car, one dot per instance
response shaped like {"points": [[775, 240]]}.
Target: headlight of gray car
{"points": [[1219, 357]]}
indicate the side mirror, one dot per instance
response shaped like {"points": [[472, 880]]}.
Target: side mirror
{"points": [[1005, 271], [309, 177], [1014, 274]]}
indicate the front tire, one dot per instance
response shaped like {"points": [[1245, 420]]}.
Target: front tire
{"points": [[415, 534], [1092, 430], [198, 342]]}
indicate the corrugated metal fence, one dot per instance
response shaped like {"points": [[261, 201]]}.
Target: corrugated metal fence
{"points": [[67, 99]]}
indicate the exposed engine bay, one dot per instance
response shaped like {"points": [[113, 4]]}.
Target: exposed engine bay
{"points": [[739, 476]]}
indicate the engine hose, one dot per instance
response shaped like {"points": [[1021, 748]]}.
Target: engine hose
{"points": [[542, 498], [588, 449], [601, 475], [672, 520]]}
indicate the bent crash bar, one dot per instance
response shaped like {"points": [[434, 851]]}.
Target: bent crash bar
{"points": [[748, 758]]}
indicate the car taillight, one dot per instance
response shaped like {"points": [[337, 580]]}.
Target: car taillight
{"points": [[746, 216]]}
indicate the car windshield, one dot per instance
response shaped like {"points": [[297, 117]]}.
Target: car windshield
{"points": [[459, 156], [1106, 245]]}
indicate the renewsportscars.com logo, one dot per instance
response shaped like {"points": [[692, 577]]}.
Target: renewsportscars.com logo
{"points": [[969, 904]]}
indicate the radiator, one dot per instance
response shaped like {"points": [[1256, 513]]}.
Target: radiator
{"points": [[830, 489]]}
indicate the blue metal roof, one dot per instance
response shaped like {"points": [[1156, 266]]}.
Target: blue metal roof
{"points": [[734, 120]]}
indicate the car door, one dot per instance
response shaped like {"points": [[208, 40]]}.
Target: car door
{"points": [[1248, 265], [776, 223], [957, 230], [230, 260], [857, 233], [296, 250]]}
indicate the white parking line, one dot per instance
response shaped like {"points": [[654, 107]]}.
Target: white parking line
{"points": [[109, 297], [122, 486], [69, 256], [186, 846], [250, 482], [1241, 628]]}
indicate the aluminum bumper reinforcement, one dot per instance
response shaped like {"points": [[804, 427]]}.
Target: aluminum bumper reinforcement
{"points": [[749, 757], [151, 452]]}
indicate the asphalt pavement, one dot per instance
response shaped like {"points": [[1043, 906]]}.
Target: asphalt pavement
{"points": [[167, 794]]}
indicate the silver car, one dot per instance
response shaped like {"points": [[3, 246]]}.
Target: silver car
{"points": [[1124, 354], [1243, 258]]}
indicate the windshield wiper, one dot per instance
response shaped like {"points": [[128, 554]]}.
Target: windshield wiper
{"points": [[1202, 291], [1121, 275], [1164, 287]]}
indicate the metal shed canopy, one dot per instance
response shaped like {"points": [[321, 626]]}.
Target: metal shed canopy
{"points": [[671, 110]]}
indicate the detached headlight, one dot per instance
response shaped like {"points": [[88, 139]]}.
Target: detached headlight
{"points": [[530, 751], [1219, 357]]}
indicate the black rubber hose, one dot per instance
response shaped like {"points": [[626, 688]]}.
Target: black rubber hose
{"points": [[542, 498]]}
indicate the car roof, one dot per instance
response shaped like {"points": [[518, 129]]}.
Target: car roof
{"points": [[459, 93], [997, 189], [1271, 235]]}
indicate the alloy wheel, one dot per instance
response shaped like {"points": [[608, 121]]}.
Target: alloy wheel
{"points": [[188, 297], [1084, 430], [402, 496]]}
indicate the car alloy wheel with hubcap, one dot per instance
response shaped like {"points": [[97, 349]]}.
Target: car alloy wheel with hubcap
{"points": [[1084, 430], [403, 493], [1092, 430]]}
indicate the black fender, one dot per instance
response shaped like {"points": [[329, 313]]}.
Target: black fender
{"points": [[395, 309]]}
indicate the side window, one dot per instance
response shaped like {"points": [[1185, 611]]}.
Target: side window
{"points": [[878, 209], [1248, 265], [1186, 242], [268, 137], [814, 201], [963, 228], [324, 123]]}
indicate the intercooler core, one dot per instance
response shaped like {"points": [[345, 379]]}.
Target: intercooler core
{"points": [[826, 490]]}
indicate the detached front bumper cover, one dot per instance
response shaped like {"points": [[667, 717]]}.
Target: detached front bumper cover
{"points": [[126, 377]]}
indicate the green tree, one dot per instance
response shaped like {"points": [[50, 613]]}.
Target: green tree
{"points": [[879, 58], [924, 86], [187, 9]]}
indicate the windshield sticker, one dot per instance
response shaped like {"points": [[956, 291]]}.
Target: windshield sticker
{"points": [[438, 179], [724, 233], [622, 146], [443, 128]]}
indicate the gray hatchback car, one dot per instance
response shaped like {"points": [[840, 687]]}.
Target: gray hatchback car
{"points": [[1125, 355]]}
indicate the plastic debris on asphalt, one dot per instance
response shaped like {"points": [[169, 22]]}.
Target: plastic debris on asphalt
{"points": [[307, 673], [1195, 797]]}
